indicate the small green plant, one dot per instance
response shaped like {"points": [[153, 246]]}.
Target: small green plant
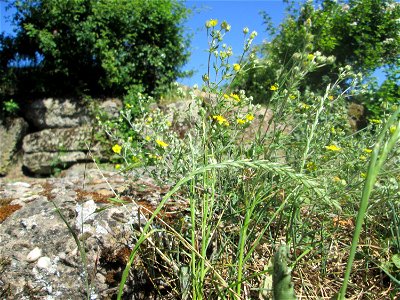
{"points": [[11, 107]]}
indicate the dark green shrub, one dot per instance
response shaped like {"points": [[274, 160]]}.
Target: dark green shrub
{"points": [[95, 47]]}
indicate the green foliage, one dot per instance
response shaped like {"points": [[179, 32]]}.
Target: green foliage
{"points": [[11, 107], [136, 107], [97, 47], [387, 97], [362, 34]]}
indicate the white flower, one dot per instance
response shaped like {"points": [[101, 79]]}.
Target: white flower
{"points": [[388, 41]]}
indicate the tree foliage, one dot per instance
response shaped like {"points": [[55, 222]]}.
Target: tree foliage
{"points": [[94, 46], [359, 33]]}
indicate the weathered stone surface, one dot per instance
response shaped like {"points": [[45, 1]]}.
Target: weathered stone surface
{"points": [[44, 163], [62, 113], [104, 230], [58, 140], [357, 116], [111, 106], [58, 148], [57, 113], [11, 134]]}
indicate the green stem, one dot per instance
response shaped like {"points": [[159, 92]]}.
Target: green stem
{"points": [[242, 243]]}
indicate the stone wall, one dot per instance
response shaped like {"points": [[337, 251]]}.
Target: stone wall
{"points": [[52, 134]]}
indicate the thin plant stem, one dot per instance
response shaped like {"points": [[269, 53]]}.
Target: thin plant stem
{"points": [[310, 135], [242, 242]]}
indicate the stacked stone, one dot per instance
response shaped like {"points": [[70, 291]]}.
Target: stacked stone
{"points": [[61, 135]]}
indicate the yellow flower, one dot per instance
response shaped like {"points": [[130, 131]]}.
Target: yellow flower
{"points": [[221, 120], [161, 143], [274, 87], [310, 56], [333, 148], [117, 148], [363, 157], [305, 106], [149, 119], [339, 180], [236, 67], [127, 105], [241, 121], [117, 166], [292, 97], [249, 117], [363, 175], [211, 23], [235, 97], [366, 150], [147, 138], [168, 123], [311, 166], [331, 97], [375, 121], [392, 129], [226, 96]]}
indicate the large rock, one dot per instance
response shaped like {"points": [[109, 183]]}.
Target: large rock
{"points": [[111, 106], [46, 150], [357, 116], [39, 258], [58, 140], [46, 163], [11, 134], [62, 113], [57, 113]]}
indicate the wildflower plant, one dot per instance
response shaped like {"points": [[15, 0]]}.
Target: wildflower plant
{"points": [[245, 194]]}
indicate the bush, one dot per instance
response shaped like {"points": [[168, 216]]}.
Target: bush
{"points": [[96, 47]]}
